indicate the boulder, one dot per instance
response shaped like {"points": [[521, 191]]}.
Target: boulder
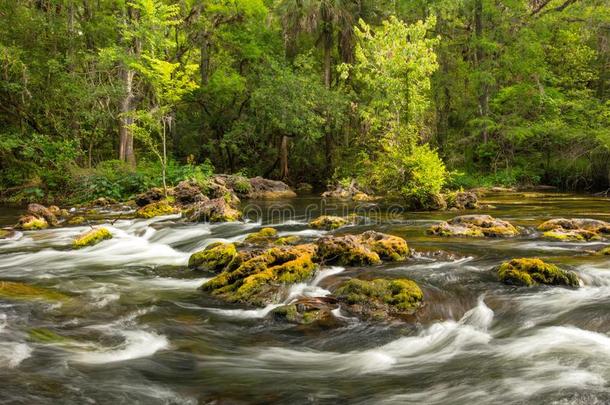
{"points": [[6, 233], [153, 195], [388, 247], [308, 310], [31, 223], [345, 250], [92, 237], [102, 202], [604, 252], [188, 192], [265, 189], [330, 222], [462, 200], [575, 229], [215, 258], [219, 186], [304, 188], [263, 237], [262, 278], [476, 226], [531, 272], [76, 220], [43, 212], [216, 210], [156, 209], [349, 191], [380, 299]]}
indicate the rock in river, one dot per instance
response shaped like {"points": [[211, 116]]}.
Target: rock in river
{"points": [[216, 210], [575, 229], [476, 226], [530, 272], [92, 237]]}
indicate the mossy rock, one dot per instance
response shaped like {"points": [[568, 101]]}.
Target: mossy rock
{"points": [[574, 229], [347, 250], [329, 222], [380, 299], [5, 233], [91, 238], [264, 236], [156, 209], [388, 247], [77, 220], [258, 280], [214, 258], [20, 291], [531, 272], [32, 223], [287, 240], [363, 197], [604, 252], [307, 311], [474, 226], [216, 210]]}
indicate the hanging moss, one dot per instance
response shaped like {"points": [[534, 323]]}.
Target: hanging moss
{"points": [[92, 237], [530, 272]]}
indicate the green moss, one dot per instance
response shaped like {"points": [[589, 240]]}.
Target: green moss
{"points": [[214, 258], [287, 240], [474, 226], [20, 291], [345, 250], [381, 296], [604, 252], [4, 233], [256, 280], [92, 237], [42, 335], [529, 272], [33, 224], [155, 209], [388, 247], [328, 222], [265, 235], [76, 220], [572, 235]]}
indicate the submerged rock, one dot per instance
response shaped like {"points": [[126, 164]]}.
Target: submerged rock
{"points": [[475, 226], [530, 272], [215, 257], [156, 209], [92, 237], [261, 278], [330, 222], [575, 229], [20, 291], [308, 310], [380, 299], [265, 189], [217, 210]]}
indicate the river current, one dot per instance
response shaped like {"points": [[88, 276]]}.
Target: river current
{"points": [[138, 330]]}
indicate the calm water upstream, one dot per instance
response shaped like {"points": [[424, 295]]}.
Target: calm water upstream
{"points": [[139, 331]]}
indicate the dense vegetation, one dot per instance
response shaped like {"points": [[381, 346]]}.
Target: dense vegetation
{"points": [[110, 97]]}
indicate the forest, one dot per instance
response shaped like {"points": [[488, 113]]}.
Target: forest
{"points": [[406, 98]]}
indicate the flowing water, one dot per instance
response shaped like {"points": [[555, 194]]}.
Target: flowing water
{"points": [[137, 329]]}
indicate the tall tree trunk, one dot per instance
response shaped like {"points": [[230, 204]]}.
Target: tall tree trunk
{"points": [[204, 63], [283, 157], [126, 153], [479, 55], [328, 137]]}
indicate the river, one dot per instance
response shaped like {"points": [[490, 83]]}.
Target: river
{"points": [[139, 331]]}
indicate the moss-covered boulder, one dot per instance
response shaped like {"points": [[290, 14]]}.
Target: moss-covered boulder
{"points": [[43, 212], [261, 278], [156, 209], [575, 229], [31, 223], [217, 210], [91, 238], [76, 220], [188, 192], [388, 247], [6, 233], [306, 311], [475, 226], [462, 200], [604, 252], [347, 250], [287, 240], [264, 236], [530, 272], [12, 290], [380, 299], [330, 222], [215, 257], [151, 196]]}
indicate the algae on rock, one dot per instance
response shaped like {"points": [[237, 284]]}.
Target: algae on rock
{"points": [[530, 272], [92, 237], [214, 258], [156, 209]]}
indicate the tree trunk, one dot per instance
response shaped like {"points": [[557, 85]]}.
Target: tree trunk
{"points": [[283, 157], [479, 55], [204, 63], [328, 138], [126, 153]]}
